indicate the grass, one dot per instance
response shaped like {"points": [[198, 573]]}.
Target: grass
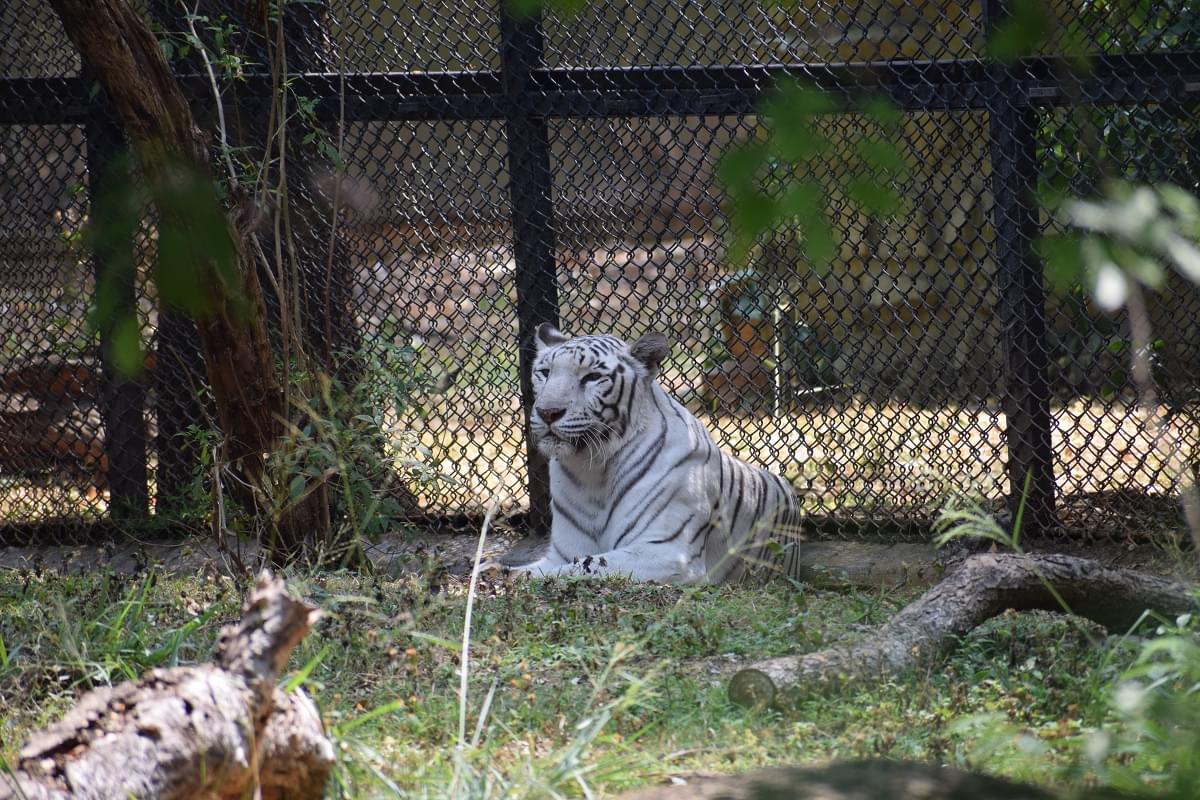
{"points": [[589, 687]]}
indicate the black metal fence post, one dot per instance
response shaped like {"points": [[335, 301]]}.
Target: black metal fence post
{"points": [[178, 384], [533, 225], [122, 400], [1012, 126]]}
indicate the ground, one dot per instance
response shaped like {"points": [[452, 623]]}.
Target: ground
{"points": [[572, 683]]}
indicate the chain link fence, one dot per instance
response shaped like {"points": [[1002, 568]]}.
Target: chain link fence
{"points": [[500, 172]]}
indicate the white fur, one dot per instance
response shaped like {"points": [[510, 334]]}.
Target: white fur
{"points": [[654, 498]]}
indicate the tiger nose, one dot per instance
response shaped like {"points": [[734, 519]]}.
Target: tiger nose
{"points": [[549, 415]]}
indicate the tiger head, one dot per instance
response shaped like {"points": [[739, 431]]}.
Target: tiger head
{"points": [[587, 389]]}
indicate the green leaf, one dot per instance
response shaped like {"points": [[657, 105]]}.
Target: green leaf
{"points": [[296, 487], [739, 166], [126, 346], [440, 641], [1021, 33], [195, 244], [796, 103], [351, 725], [1147, 271], [819, 244], [296, 681], [107, 300], [1115, 382], [752, 214], [798, 142], [1183, 204], [1076, 42], [875, 198], [1053, 192], [1064, 261], [179, 272], [117, 213], [524, 8], [330, 151], [791, 113], [755, 213], [883, 155], [803, 203], [883, 112]]}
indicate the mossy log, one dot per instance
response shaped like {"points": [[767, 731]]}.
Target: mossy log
{"points": [[218, 730], [982, 587]]}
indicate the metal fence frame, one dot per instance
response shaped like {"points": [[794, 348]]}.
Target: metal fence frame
{"points": [[525, 94]]}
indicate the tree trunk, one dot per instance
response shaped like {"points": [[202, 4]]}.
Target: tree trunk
{"points": [[984, 586], [126, 59], [216, 730]]}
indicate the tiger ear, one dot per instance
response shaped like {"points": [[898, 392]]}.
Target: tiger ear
{"points": [[652, 349], [547, 335]]}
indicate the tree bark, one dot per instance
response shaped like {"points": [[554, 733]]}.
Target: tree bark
{"points": [[982, 587], [218, 730], [126, 59], [857, 780]]}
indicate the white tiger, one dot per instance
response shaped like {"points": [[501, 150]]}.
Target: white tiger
{"points": [[637, 485]]}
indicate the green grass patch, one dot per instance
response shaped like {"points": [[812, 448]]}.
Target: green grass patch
{"points": [[588, 686]]}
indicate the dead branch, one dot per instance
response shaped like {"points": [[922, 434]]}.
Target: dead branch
{"points": [[984, 586], [215, 730]]}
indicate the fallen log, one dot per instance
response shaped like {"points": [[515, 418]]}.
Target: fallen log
{"points": [[218, 730], [857, 780], [982, 587]]}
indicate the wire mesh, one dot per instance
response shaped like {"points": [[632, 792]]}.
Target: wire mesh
{"points": [[865, 383], [41, 50], [502, 171], [51, 456], [686, 32], [417, 37], [436, 273], [1111, 458]]}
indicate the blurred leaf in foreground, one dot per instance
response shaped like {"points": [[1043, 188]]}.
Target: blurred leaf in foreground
{"points": [[1130, 233], [194, 249], [780, 181]]}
